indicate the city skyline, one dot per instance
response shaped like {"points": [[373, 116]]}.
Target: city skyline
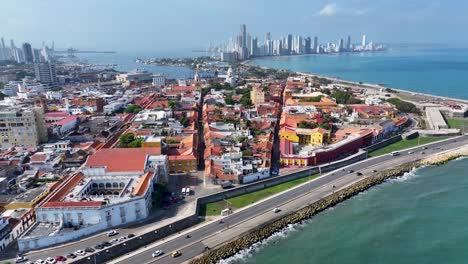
{"points": [[93, 25]]}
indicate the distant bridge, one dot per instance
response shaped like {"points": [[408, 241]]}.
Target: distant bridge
{"points": [[71, 51]]}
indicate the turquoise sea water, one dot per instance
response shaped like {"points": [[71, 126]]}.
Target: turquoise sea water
{"points": [[419, 218], [433, 70]]}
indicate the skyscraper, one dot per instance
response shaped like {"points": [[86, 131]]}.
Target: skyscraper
{"points": [[254, 46], [307, 45], [348, 43], [46, 73], [364, 41], [268, 36], [289, 43], [28, 53], [340, 45], [243, 34], [316, 46]]}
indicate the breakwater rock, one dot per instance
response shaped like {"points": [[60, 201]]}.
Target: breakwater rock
{"points": [[268, 229]]}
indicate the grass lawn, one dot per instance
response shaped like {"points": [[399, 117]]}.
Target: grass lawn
{"points": [[250, 198], [404, 144], [458, 123]]}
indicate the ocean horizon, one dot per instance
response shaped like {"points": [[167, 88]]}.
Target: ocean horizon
{"points": [[433, 70]]}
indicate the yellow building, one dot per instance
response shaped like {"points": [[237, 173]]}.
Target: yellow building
{"points": [[257, 95], [289, 134], [316, 136], [151, 142], [28, 199], [182, 163]]}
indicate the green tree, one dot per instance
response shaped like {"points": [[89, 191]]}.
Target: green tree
{"points": [[403, 106], [126, 138], [305, 124], [132, 109], [228, 99], [172, 104]]}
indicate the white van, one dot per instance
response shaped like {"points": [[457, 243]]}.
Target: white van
{"points": [[184, 190], [187, 191]]}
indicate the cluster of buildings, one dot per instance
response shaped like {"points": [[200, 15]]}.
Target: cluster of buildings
{"points": [[315, 128], [239, 128], [81, 148], [244, 46], [24, 53]]}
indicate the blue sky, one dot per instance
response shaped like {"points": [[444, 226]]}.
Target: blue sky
{"points": [[170, 25]]}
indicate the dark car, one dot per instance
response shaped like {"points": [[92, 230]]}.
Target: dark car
{"points": [[358, 173], [99, 246], [130, 235], [89, 250], [106, 244], [350, 171], [71, 256]]}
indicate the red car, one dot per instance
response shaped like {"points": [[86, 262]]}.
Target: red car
{"points": [[60, 258]]}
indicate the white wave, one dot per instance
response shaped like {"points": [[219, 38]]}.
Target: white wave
{"points": [[243, 255], [408, 175]]}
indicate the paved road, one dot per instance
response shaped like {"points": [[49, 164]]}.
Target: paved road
{"points": [[215, 233]]}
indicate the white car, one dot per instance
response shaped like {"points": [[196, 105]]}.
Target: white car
{"points": [[122, 238], [20, 259], [80, 252], [50, 260], [40, 261], [410, 152], [276, 210], [157, 253], [114, 241], [112, 233]]}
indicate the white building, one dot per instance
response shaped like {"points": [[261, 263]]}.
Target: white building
{"points": [[159, 80], [114, 188]]}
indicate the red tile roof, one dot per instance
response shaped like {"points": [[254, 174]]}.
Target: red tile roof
{"points": [[143, 184], [57, 114], [72, 204], [122, 159], [66, 120]]}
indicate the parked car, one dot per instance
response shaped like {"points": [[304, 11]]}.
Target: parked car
{"points": [[60, 258], [157, 253], [374, 171], [276, 210], [130, 235], [114, 241], [71, 256], [175, 254], [410, 152], [350, 171], [112, 233], [80, 252], [358, 173], [122, 238], [99, 246], [40, 261], [106, 244], [21, 259], [89, 250], [50, 260]]}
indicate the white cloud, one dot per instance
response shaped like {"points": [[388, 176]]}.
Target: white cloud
{"points": [[328, 10], [333, 9]]}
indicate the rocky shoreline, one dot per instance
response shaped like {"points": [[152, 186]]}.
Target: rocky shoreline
{"points": [[265, 231]]}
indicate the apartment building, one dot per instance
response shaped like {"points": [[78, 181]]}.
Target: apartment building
{"points": [[22, 127]]}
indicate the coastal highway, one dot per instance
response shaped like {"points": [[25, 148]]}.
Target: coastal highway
{"points": [[215, 233]]}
